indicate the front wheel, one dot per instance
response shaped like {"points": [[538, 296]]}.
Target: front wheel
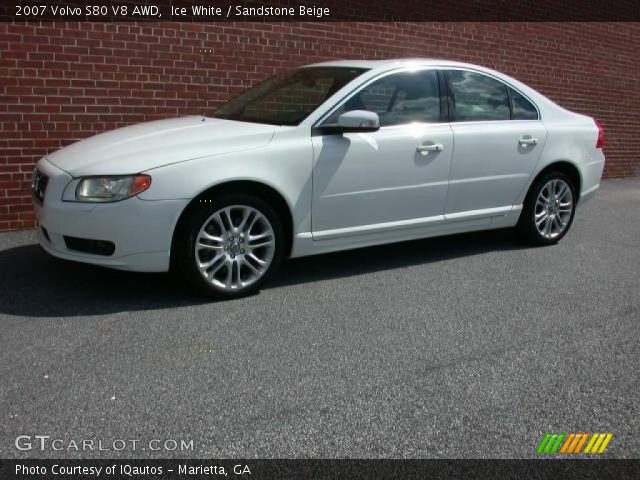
{"points": [[229, 246], [548, 210]]}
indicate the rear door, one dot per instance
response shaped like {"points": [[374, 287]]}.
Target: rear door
{"points": [[498, 139]]}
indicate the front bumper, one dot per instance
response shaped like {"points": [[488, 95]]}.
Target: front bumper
{"points": [[141, 230]]}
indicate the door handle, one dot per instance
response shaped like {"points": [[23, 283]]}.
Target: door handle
{"points": [[425, 149], [528, 141]]}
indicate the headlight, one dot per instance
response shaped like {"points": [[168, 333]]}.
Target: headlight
{"points": [[107, 189]]}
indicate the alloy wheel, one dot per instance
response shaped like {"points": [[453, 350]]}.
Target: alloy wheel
{"points": [[235, 247], [553, 209]]}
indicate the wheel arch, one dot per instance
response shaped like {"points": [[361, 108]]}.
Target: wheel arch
{"points": [[266, 192], [567, 167]]}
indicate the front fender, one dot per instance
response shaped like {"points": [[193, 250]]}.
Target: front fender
{"points": [[285, 165]]}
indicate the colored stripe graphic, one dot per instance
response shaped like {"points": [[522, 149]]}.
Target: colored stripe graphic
{"points": [[598, 443], [581, 443], [592, 441], [567, 443], [607, 439], [543, 443], [550, 443], [576, 439], [572, 443], [555, 448]]}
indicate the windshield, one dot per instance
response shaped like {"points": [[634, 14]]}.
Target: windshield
{"points": [[288, 98]]}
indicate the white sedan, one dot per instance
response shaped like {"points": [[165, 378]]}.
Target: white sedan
{"points": [[326, 157]]}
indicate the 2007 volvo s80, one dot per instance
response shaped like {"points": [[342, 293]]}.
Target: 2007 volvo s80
{"points": [[325, 157]]}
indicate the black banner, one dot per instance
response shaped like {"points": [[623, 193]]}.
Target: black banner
{"points": [[319, 469], [319, 10]]}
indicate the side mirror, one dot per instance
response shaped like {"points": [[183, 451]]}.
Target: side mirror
{"points": [[353, 121], [359, 121]]}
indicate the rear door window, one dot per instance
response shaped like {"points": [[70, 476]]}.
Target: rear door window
{"points": [[476, 97]]}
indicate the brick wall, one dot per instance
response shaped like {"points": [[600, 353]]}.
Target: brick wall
{"points": [[61, 82]]}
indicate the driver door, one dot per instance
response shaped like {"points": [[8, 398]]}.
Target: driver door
{"points": [[393, 178]]}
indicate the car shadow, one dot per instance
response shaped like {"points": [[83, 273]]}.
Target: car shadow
{"points": [[393, 256], [34, 284]]}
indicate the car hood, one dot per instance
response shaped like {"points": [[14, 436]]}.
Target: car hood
{"points": [[149, 145]]}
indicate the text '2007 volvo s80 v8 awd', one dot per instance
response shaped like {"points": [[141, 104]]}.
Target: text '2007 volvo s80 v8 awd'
{"points": [[326, 157]]}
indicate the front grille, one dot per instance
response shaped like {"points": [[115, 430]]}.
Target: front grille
{"points": [[39, 185], [86, 245]]}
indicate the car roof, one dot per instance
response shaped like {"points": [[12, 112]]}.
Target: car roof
{"points": [[390, 63]]}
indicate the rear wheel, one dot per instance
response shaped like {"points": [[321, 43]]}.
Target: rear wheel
{"points": [[230, 246], [548, 210]]}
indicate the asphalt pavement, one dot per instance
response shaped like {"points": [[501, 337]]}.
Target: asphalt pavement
{"points": [[464, 346]]}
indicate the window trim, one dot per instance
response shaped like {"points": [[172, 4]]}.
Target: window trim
{"points": [[316, 128], [508, 86]]}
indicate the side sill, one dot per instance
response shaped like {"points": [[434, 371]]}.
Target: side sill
{"points": [[377, 228]]}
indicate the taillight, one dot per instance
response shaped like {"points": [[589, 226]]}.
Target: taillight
{"points": [[600, 141]]}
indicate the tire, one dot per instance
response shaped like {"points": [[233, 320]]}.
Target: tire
{"points": [[545, 218], [221, 260]]}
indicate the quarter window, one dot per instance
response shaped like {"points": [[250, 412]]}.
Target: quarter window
{"points": [[398, 99], [523, 109], [476, 97]]}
